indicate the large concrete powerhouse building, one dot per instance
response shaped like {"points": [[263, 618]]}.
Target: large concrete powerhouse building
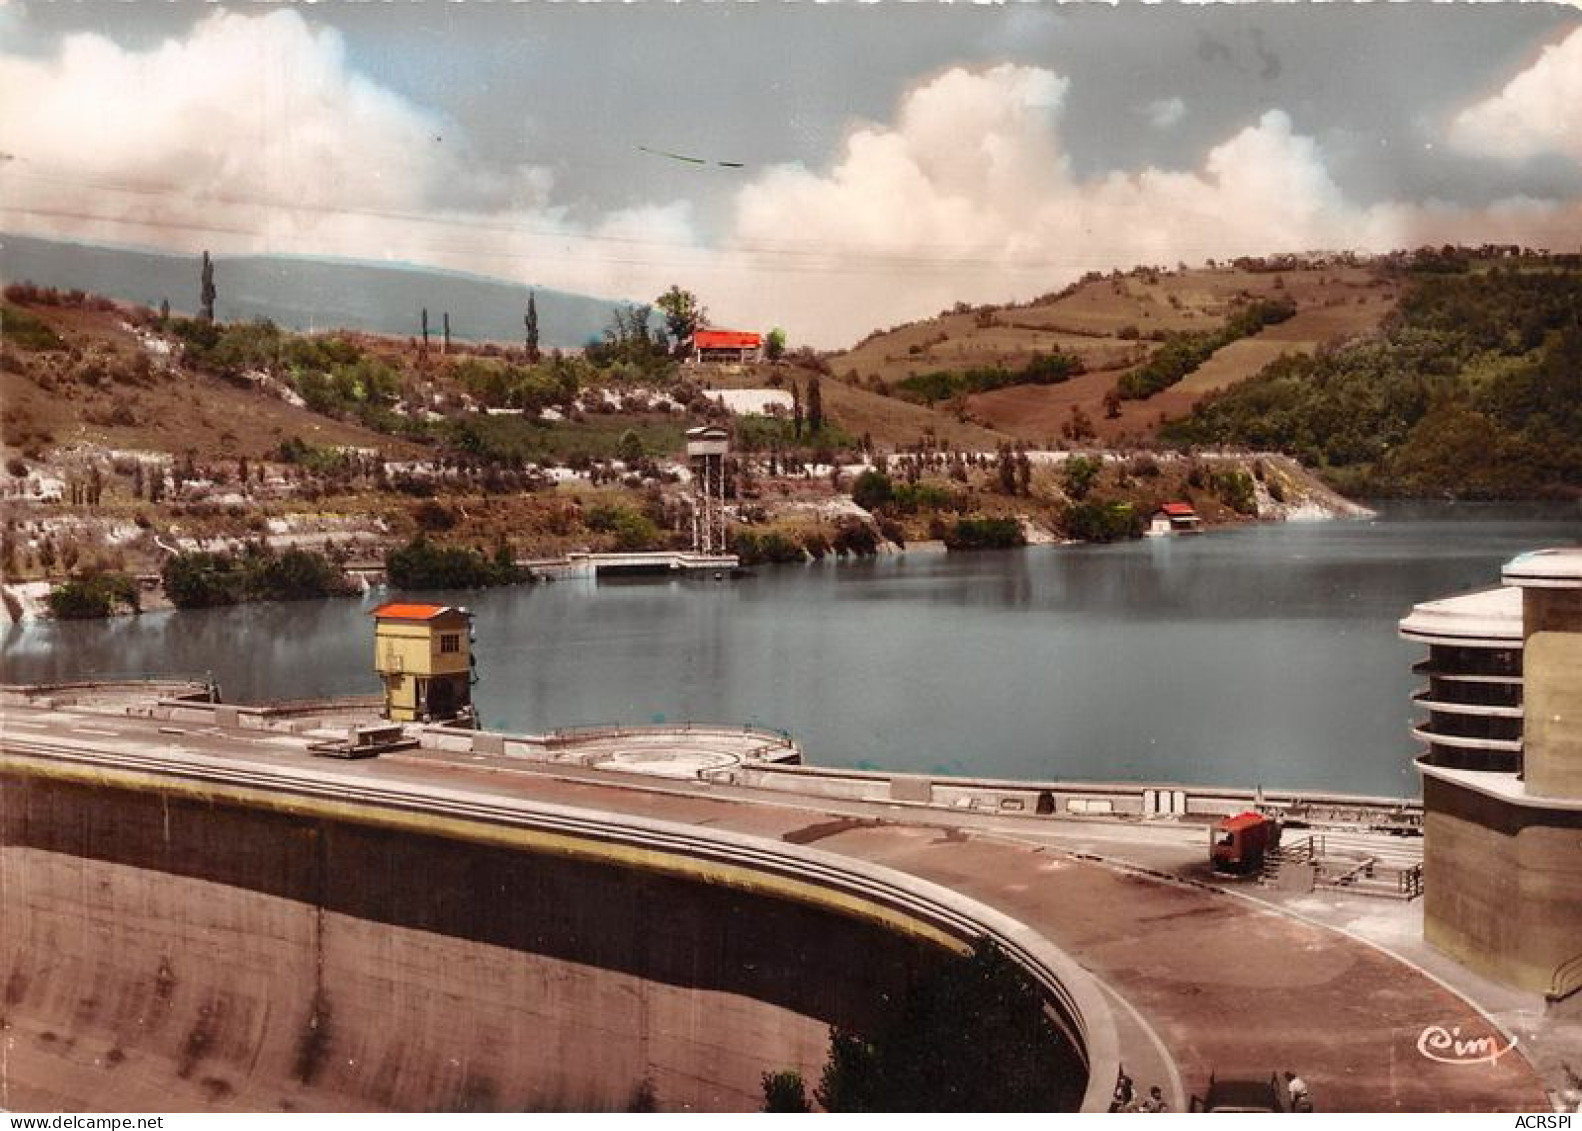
{"points": [[1502, 773]]}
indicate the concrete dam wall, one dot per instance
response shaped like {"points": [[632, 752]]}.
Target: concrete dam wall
{"points": [[186, 949]]}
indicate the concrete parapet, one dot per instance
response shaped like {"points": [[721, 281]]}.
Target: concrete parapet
{"points": [[1078, 799]]}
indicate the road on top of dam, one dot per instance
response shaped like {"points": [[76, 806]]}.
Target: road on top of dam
{"points": [[1202, 983]]}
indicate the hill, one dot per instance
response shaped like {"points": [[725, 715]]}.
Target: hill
{"points": [[312, 294], [136, 443], [1110, 325], [1474, 389]]}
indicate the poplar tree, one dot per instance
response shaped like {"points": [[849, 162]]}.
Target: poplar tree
{"points": [[530, 321], [206, 294]]}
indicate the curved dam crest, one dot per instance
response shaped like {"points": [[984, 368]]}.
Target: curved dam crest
{"points": [[169, 951]]}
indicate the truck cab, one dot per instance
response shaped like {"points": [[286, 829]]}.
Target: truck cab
{"points": [[1240, 843]]}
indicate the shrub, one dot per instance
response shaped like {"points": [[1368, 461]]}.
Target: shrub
{"points": [[1234, 487], [422, 565], [971, 1035], [940, 385], [433, 517], [1096, 521], [27, 332], [1079, 474], [983, 532], [856, 538], [785, 1092], [632, 529], [872, 490], [773, 546], [203, 580], [91, 595]]}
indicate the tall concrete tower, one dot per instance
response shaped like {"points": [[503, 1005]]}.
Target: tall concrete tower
{"points": [[707, 448], [1502, 775]]}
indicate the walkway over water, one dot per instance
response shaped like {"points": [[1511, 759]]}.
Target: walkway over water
{"points": [[644, 562]]}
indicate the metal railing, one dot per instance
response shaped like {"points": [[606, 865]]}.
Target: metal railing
{"points": [[1366, 875], [769, 739], [1566, 980]]}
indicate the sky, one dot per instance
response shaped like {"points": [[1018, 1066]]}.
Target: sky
{"points": [[855, 165]]}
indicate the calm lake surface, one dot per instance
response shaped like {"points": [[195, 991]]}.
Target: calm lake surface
{"points": [[1258, 656]]}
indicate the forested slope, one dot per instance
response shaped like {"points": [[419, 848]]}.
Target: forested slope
{"points": [[1472, 388]]}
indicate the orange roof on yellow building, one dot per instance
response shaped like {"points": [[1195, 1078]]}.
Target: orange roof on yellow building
{"points": [[398, 611]]}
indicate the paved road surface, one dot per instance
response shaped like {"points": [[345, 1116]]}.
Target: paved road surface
{"points": [[1226, 985]]}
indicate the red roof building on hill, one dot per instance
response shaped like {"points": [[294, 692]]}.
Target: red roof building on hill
{"points": [[726, 345]]}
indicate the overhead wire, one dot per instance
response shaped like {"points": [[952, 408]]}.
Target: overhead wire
{"points": [[810, 256]]}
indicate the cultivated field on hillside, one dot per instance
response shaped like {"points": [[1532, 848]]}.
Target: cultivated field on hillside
{"points": [[887, 421], [1110, 323]]}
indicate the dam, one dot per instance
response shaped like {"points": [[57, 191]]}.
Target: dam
{"points": [[206, 917], [192, 932]]}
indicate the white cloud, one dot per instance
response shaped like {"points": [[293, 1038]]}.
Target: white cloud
{"points": [[254, 134], [970, 196], [1539, 111], [1165, 113]]}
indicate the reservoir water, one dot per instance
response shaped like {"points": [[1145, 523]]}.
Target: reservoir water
{"points": [[1265, 655]]}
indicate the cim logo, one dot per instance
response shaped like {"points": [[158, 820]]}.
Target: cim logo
{"points": [[1450, 1047]]}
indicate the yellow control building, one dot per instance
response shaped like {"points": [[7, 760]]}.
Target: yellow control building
{"points": [[423, 653]]}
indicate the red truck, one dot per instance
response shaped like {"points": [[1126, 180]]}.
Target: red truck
{"points": [[1240, 843]]}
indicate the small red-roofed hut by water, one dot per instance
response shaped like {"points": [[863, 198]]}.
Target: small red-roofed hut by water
{"points": [[1174, 518]]}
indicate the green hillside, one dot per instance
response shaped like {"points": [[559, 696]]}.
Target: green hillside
{"points": [[1473, 388]]}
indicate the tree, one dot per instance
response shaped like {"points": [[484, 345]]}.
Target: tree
{"points": [[872, 490], [796, 410], [206, 294], [201, 580], [630, 448], [785, 1092], [1005, 466], [815, 406], [446, 347], [1079, 426], [683, 315], [530, 321], [93, 594], [425, 328], [1080, 473], [775, 344], [971, 1036]]}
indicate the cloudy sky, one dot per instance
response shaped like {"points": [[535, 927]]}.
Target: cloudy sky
{"points": [[862, 164]]}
